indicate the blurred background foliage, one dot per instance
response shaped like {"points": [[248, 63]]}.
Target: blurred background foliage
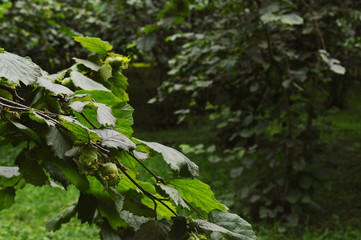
{"points": [[262, 94]]}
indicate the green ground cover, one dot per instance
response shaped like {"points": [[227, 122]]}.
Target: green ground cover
{"points": [[34, 206]]}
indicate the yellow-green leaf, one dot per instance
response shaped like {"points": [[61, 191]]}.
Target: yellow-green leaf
{"points": [[94, 44], [197, 193]]}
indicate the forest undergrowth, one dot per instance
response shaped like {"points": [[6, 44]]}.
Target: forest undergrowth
{"points": [[337, 195]]}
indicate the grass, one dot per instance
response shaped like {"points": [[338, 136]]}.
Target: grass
{"points": [[270, 232], [33, 207]]}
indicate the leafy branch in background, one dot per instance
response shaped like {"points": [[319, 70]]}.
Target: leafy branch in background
{"points": [[261, 70], [78, 128]]}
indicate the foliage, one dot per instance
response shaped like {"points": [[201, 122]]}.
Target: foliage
{"points": [[262, 70], [47, 26], [77, 128], [331, 193]]}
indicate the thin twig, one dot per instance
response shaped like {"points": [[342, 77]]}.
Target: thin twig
{"points": [[316, 24], [198, 213], [310, 111], [315, 81], [158, 179], [122, 168], [13, 107], [12, 102], [13, 92], [21, 107], [101, 148], [44, 115], [155, 209], [88, 120], [100, 179], [144, 191]]}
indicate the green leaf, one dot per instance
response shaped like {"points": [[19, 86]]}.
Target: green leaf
{"points": [[338, 69], [106, 71], [154, 230], [6, 5], [305, 181], [269, 17], [78, 106], [114, 139], [133, 220], [59, 142], [179, 229], [104, 97], [108, 207], [78, 131], [208, 226], [81, 97], [71, 172], [135, 206], [50, 167], [2, 50], [27, 131], [94, 44], [57, 89], [91, 114], [124, 115], [104, 115], [87, 64], [76, 151], [119, 85], [33, 115], [291, 19], [108, 210], [6, 94], [120, 81], [108, 233], [15, 68], [140, 155], [57, 76], [146, 42], [162, 211], [334, 64], [85, 83], [127, 160], [174, 194], [239, 228], [17, 182], [62, 217], [325, 56], [293, 196], [30, 169], [125, 186], [197, 193], [7, 196], [176, 160]]}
